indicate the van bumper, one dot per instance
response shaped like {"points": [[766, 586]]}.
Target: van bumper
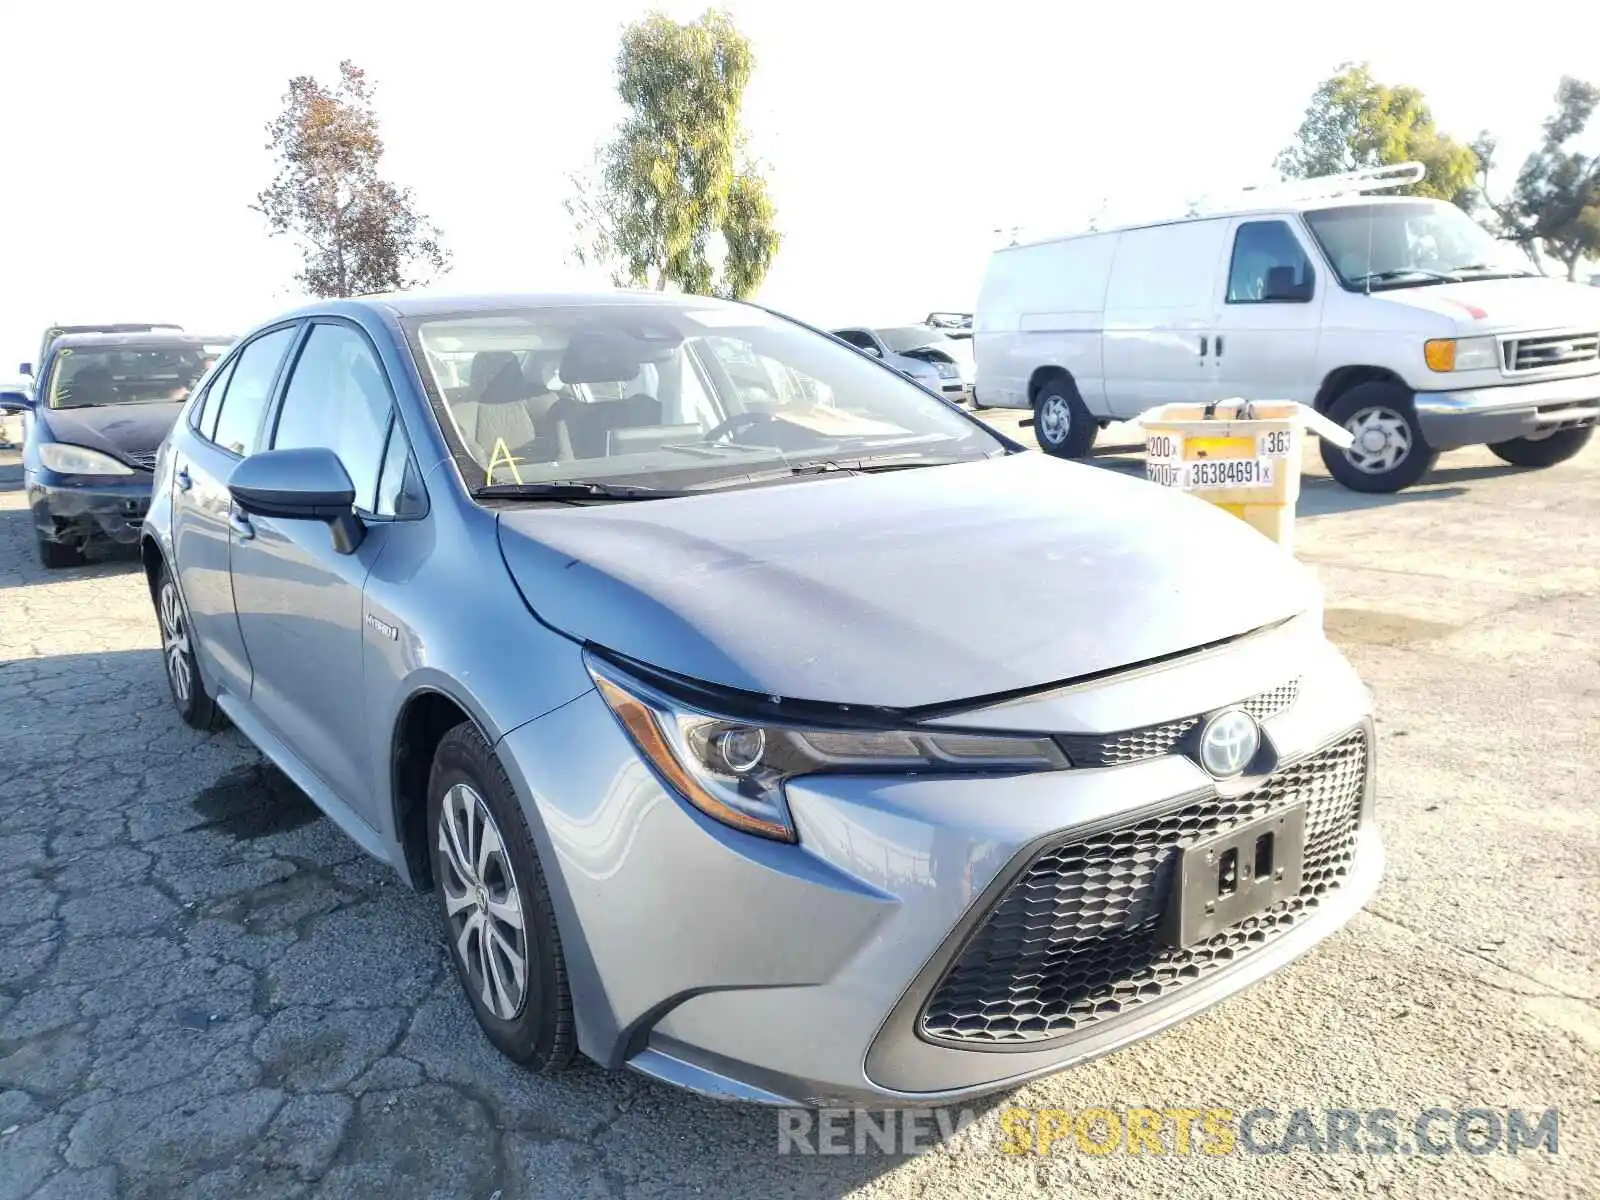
{"points": [[1482, 416]]}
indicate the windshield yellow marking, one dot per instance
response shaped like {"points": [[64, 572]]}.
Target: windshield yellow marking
{"points": [[502, 454]]}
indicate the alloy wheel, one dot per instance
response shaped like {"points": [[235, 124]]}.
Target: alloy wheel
{"points": [[482, 902], [1383, 439], [175, 644]]}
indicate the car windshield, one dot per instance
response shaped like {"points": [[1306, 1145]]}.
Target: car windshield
{"points": [[130, 374], [669, 396], [912, 337], [1410, 244]]}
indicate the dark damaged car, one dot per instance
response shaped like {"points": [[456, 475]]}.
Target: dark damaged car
{"points": [[92, 424]]}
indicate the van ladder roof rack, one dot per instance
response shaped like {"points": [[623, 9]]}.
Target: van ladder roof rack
{"points": [[1347, 183]]}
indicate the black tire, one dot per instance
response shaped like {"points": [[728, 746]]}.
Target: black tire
{"points": [[55, 556], [539, 1033], [178, 659], [1383, 404], [1061, 422], [1545, 451]]}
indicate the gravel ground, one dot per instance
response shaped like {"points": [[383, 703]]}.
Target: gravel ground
{"points": [[206, 991]]}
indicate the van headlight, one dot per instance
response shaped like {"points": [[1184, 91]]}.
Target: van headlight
{"points": [[80, 460], [1462, 354], [734, 769]]}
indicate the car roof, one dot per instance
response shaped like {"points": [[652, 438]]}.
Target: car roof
{"points": [[150, 339], [423, 304]]}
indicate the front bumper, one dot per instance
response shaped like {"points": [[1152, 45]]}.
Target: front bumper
{"points": [[751, 970], [1483, 416], [91, 511]]}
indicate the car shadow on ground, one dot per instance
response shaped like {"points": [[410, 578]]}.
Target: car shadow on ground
{"points": [[206, 982]]}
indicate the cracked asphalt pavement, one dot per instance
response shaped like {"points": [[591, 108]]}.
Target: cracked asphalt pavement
{"points": [[205, 990]]}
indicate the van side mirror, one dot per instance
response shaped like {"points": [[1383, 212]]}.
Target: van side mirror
{"points": [[307, 484]]}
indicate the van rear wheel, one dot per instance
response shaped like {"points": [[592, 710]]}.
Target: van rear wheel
{"points": [[1061, 422], [1389, 452]]}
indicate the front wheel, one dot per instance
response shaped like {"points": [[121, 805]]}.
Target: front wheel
{"points": [[496, 908], [1544, 451], [55, 556], [1061, 422], [1389, 452]]}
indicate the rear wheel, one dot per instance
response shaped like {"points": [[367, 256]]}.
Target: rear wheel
{"points": [[56, 555], [1389, 452], [496, 908], [196, 708], [1544, 451], [1061, 423]]}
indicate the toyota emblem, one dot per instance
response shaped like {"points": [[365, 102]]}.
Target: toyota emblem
{"points": [[1228, 743]]}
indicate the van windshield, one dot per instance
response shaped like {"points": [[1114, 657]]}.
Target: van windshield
{"points": [[1410, 244]]}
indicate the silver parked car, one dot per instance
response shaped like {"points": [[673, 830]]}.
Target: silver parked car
{"points": [[608, 619]]}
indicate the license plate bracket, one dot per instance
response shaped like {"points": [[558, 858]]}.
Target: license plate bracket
{"points": [[1239, 873]]}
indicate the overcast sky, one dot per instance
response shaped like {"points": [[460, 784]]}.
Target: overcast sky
{"points": [[899, 135]]}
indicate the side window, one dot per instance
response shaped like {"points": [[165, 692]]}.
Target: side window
{"points": [[337, 398], [1269, 266], [856, 338], [205, 412], [249, 388], [396, 472]]}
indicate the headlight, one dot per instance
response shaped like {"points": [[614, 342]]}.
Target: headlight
{"points": [[734, 770], [1462, 354], [79, 460]]}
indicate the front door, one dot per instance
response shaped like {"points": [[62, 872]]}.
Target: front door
{"points": [[299, 600], [227, 418], [1269, 320]]}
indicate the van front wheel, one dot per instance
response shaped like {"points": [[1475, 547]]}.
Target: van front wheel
{"points": [[1389, 452], [1061, 423]]}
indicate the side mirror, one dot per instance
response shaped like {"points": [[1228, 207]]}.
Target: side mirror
{"points": [[15, 400], [872, 350], [25, 369], [300, 485]]}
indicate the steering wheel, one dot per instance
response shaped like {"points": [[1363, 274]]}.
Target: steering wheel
{"points": [[738, 423]]}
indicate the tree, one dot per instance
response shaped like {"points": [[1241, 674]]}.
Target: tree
{"points": [[1355, 123], [358, 232], [1554, 204], [673, 192]]}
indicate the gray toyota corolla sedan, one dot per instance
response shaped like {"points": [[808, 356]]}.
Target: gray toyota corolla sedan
{"points": [[645, 632]]}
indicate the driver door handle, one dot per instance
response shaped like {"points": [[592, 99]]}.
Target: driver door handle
{"points": [[241, 525], [183, 481]]}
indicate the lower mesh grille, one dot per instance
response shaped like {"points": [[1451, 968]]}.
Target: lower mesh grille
{"points": [[1076, 939]]}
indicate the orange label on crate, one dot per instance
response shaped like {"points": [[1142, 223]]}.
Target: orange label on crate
{"points": [[1219, 447]]}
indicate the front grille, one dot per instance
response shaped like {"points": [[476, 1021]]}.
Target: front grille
{"points": [[1077, 938], [1549, 350], [146, 461], [1154, 741]]}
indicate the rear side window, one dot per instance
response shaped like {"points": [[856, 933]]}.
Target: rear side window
{"points": [[338, 399], [238, 425], [1268, 266]]}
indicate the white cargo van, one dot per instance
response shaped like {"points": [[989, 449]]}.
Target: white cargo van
{"points": [[1400, 318]]}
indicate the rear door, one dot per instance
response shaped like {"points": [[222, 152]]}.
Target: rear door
{"points": [[299, 600], [1270, 319], [1161, 307], [225, 426]]}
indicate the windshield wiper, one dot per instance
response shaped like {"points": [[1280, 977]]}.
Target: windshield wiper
{"points": [[572, 489], [873, 464], [1403, 273], [1491, 268]]}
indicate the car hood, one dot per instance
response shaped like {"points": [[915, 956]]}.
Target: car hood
{"points": [[1504, 305], [116, 429], [904, 589]]}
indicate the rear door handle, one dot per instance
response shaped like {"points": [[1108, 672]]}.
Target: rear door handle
{"points": [[1203, 343], [183, 480], [1219, 345], [241, 525]]}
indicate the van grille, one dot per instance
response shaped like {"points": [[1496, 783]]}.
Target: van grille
{"points": [[1549, 350]]}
